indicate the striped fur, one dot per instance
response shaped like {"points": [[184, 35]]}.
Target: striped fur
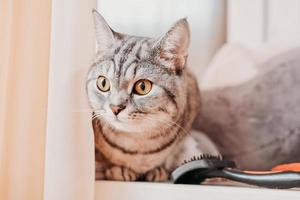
{"points": [[143, 137]]}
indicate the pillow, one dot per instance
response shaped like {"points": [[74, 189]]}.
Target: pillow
{"points": [[251, 105]]}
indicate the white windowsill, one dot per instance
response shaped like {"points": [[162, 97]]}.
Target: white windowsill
{"points": [[109, 190]]}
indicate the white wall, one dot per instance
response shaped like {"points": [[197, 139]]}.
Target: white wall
{"points": [[207, 20], [256, 22]]}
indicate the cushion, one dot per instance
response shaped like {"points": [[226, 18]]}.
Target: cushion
{"points": [[251, 105]]}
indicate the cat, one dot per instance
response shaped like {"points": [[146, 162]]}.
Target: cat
{"points": [[144, 101]]}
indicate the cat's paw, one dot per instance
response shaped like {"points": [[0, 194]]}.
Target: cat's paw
{"points": [[118, 173], [159, 174], [100, 175]]}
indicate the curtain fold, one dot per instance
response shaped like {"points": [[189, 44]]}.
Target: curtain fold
{"points": [[69, 171], [46, 141], [24, 61]]}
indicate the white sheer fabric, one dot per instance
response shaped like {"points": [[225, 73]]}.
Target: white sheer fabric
{"points": [[46, 142], [69, 172]]}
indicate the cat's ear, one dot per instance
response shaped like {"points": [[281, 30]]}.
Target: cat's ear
{"points": [[172, 48], [105, 36]]}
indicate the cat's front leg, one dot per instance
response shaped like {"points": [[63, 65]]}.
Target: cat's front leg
{"points": [[194, 144], [101, 165], [99, 175], [120, 173], [158, 174]]}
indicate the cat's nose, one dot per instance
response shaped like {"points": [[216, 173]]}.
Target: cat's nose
{"points": [[116, 109]]}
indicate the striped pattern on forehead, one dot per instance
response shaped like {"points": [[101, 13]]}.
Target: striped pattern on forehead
{"points": [[131, 50]]}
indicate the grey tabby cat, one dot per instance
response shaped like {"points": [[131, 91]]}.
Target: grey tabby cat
{"points": [[144, 101]]}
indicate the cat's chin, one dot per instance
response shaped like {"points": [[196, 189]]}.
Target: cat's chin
{"points": [[133, 126], [127, 126]]}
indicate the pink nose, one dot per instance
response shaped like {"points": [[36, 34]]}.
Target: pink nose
{"points": [[117, 109]]}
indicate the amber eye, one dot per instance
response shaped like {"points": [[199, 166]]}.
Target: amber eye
{"points": [[142, 87], [103, 84]]}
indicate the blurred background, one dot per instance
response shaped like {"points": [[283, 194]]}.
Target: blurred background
{"points": [[46, 141], [212, 22], [207, 19]]}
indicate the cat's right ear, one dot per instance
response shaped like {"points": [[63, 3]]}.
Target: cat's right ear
{"points": [[105, 36]]}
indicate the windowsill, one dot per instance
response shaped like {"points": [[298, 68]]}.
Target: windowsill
{"points": [[110, 190]]}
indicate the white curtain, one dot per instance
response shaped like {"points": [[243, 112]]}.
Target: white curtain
{"points": [[46, 143], [69, 171]]}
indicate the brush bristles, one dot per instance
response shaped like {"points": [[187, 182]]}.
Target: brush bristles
{"points": [[203, 156]]}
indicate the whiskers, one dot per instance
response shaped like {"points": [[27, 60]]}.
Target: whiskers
{"points": [[98, 113], [138, 116]]}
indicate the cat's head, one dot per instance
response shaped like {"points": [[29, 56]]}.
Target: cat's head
{"points": [[137, 83]]}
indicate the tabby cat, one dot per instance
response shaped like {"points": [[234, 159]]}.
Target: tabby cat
{"points": [[144, 101]]}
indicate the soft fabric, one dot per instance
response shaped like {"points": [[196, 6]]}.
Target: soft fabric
{"points": [[251, 105]]}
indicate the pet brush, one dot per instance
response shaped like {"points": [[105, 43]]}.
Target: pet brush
{"points": [[197, 169]]}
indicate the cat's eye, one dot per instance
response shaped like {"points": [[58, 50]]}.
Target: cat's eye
{"points": [[103, 84], [142, 87]]}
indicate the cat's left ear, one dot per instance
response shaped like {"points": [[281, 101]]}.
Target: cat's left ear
{"points": [[172, 48]]}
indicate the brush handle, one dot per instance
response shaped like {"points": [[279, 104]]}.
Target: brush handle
{"points": [[282, 180]]}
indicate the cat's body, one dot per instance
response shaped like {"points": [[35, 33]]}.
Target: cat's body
{"points": [[144, 102]]}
